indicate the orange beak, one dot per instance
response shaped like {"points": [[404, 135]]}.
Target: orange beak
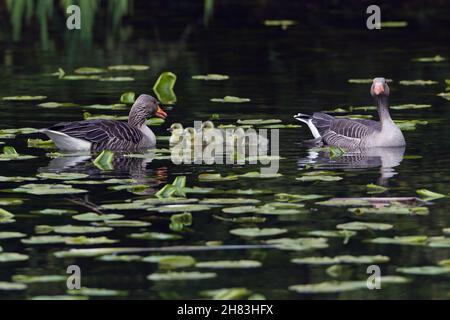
{"points": [[160, 113], [378, 88]]}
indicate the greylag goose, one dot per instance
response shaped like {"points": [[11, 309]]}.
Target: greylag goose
{"points": [[358, 133], [107, 134]]}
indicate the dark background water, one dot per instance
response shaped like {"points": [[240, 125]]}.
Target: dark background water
{"points": [[304, 68]]}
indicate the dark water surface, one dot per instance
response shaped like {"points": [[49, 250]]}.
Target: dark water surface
{"points": [[301, 69]]}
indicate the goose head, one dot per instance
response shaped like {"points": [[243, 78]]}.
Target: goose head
{"points": [[176, 129], [207, 125], [379, 88], [145, 106]]}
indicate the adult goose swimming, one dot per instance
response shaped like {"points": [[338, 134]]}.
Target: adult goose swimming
{"points": [[357, 133], [108, 134]]}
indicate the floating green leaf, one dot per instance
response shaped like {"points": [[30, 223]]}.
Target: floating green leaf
{"points": [[127, 223], [417, 82], [163, 88], [297, 197], [181, 276], [211, 76], [215, 177], [436, 58], [226, 293], [229, 264], [402, 240], [62, 175], [96, 292], [181, 208], [104, 160], [428, 195], [299, 244], [374, 188], [51, 105], [155, 236], [230, 99], [283, 24], [357, 225], [47, 189], [24, 98], [22, 278], [92, 216], [70, 229], [229, 201], [10, 286], [124, 67], [257, 122], [9, 153], [12, 257], [257, 232], [393, 24], [11, 235], [128, 97], [425, 270], [89, 70], [117, 79], [343, 202]]}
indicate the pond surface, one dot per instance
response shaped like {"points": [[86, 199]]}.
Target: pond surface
{"points": [[283, 72]]}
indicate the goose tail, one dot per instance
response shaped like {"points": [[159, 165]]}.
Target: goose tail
{"points": [[305, 118], [66, 142]]}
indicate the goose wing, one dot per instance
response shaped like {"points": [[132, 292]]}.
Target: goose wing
{"points": [[345, 133], [100, 131]]}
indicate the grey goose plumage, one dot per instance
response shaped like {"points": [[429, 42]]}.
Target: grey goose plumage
{"points": [[357, 133], [108, 134]]}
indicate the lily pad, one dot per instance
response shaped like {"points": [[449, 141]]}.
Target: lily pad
{"points": [[257, 122], [89, 70], [229, 264], [215, 177], [132, 67], [47, 189], [226, 293], [51, 105], [104, 160], [257, 232], [128, 97], [163, 88], [402, 240], [258, 175], [171, 261], [62, 176], [410, 106], [393, 24], [283, 24], [155, 236], [24, 98], [11, 235], [11, 286], [70, 229], [96, 292], [229, 201], [9, 153], [181, 276], [127, 223], [230, 99], [12, 257], [22, 278], [374, 188], [117, 79], [357, 225], [92, 216], [299, 244], [425, 270], [181, 208], [297, 197], [417, 82], [54, 212], [82, 240], [211, 76], [436, 58], [343, 202], [10, 201], [319, 178], [428, 195], [38, 240], [395, 208]]}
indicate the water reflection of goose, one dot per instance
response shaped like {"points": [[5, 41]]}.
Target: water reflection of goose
{"points": [[134, 167], [385, 158]]}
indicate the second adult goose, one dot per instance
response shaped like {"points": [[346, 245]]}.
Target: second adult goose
{"points": [[107, 134], [358, 133]]}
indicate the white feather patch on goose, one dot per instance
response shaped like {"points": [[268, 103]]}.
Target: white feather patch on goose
{"points": [[66, 142]]}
